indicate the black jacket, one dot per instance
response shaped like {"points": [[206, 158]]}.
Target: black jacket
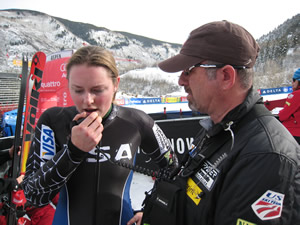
{"points": [[251, 178]]}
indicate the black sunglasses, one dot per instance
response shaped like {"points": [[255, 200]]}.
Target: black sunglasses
{"points": [[210, 66]]}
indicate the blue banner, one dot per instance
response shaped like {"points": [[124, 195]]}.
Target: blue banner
{"points": [[279, 90], [151, 100], [133, 101], [139, 101]]}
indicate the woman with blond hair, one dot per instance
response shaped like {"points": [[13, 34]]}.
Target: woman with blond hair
{"points": [[74, 147]]}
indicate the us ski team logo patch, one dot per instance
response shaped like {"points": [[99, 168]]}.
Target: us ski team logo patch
{"points": [[269, 205]]}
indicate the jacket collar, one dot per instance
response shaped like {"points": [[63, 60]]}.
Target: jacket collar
{"points": [[234, 115]]}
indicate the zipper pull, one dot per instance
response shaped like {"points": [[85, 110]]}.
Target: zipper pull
{"points": [[229, 124]]}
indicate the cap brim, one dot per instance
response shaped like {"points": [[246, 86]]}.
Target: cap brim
{"points": [[178, 63]]}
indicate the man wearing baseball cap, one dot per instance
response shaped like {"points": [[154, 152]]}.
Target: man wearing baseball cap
{"points": [[290, 114], [243, 166]]}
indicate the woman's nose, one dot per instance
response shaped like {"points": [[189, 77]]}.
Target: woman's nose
{"points": [[88, 98]]}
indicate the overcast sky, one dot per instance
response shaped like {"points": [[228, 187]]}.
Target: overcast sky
{"points": [[166, 20]]}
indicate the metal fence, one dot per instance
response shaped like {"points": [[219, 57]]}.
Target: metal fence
{"points": [[9, 91]]}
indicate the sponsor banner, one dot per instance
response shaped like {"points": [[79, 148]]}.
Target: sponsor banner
{"points": [[151, 100], [55, 75], [133, 101], [18, 62], [64, 97], [46, 100], [141, 101], [120, 101], [172, 99], [183, 99], [54, 88], [59, 55], [272, 91], [180, 132]]}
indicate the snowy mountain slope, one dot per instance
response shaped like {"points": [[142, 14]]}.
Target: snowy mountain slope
{"points": [[150, 82], [26, 32]]}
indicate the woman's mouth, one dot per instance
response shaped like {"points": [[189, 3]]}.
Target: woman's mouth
{"points": [[89, 111]]}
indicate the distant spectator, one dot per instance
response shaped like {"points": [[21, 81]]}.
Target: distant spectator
{"points": [[290, 114]]}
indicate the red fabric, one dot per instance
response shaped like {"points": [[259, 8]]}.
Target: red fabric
{"points": [[290, 114], [38, 216], [55, 199], [2, 219], [24, 221], [55, 90], [274, 103], [21, 221], [18, 198], [41, 216]]}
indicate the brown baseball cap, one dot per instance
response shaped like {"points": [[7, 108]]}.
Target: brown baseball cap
{"points": [[219, 41]]}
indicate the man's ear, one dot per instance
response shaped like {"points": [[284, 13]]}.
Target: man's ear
{"points": [[227, 77]]}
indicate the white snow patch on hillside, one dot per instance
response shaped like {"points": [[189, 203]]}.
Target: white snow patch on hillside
{"points": [[153, 73]]}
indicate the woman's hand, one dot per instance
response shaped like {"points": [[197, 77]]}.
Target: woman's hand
{"points": [[136, 219], [88, 133], [20, 179]]}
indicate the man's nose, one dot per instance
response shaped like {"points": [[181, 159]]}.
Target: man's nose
{"points": [[183, 79]]}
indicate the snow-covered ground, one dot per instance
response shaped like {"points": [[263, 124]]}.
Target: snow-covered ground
{"points": [[159, 108], [275, 97], [140, 184]]}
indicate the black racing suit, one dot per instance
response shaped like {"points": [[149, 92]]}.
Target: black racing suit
{"points": [[91, 193]]}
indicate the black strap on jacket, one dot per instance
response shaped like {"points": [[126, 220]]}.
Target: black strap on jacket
{"points": [[194, 163]]}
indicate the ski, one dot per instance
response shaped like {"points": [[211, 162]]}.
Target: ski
{"points": [[34, 82], [17, 140], [30, 86]]}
